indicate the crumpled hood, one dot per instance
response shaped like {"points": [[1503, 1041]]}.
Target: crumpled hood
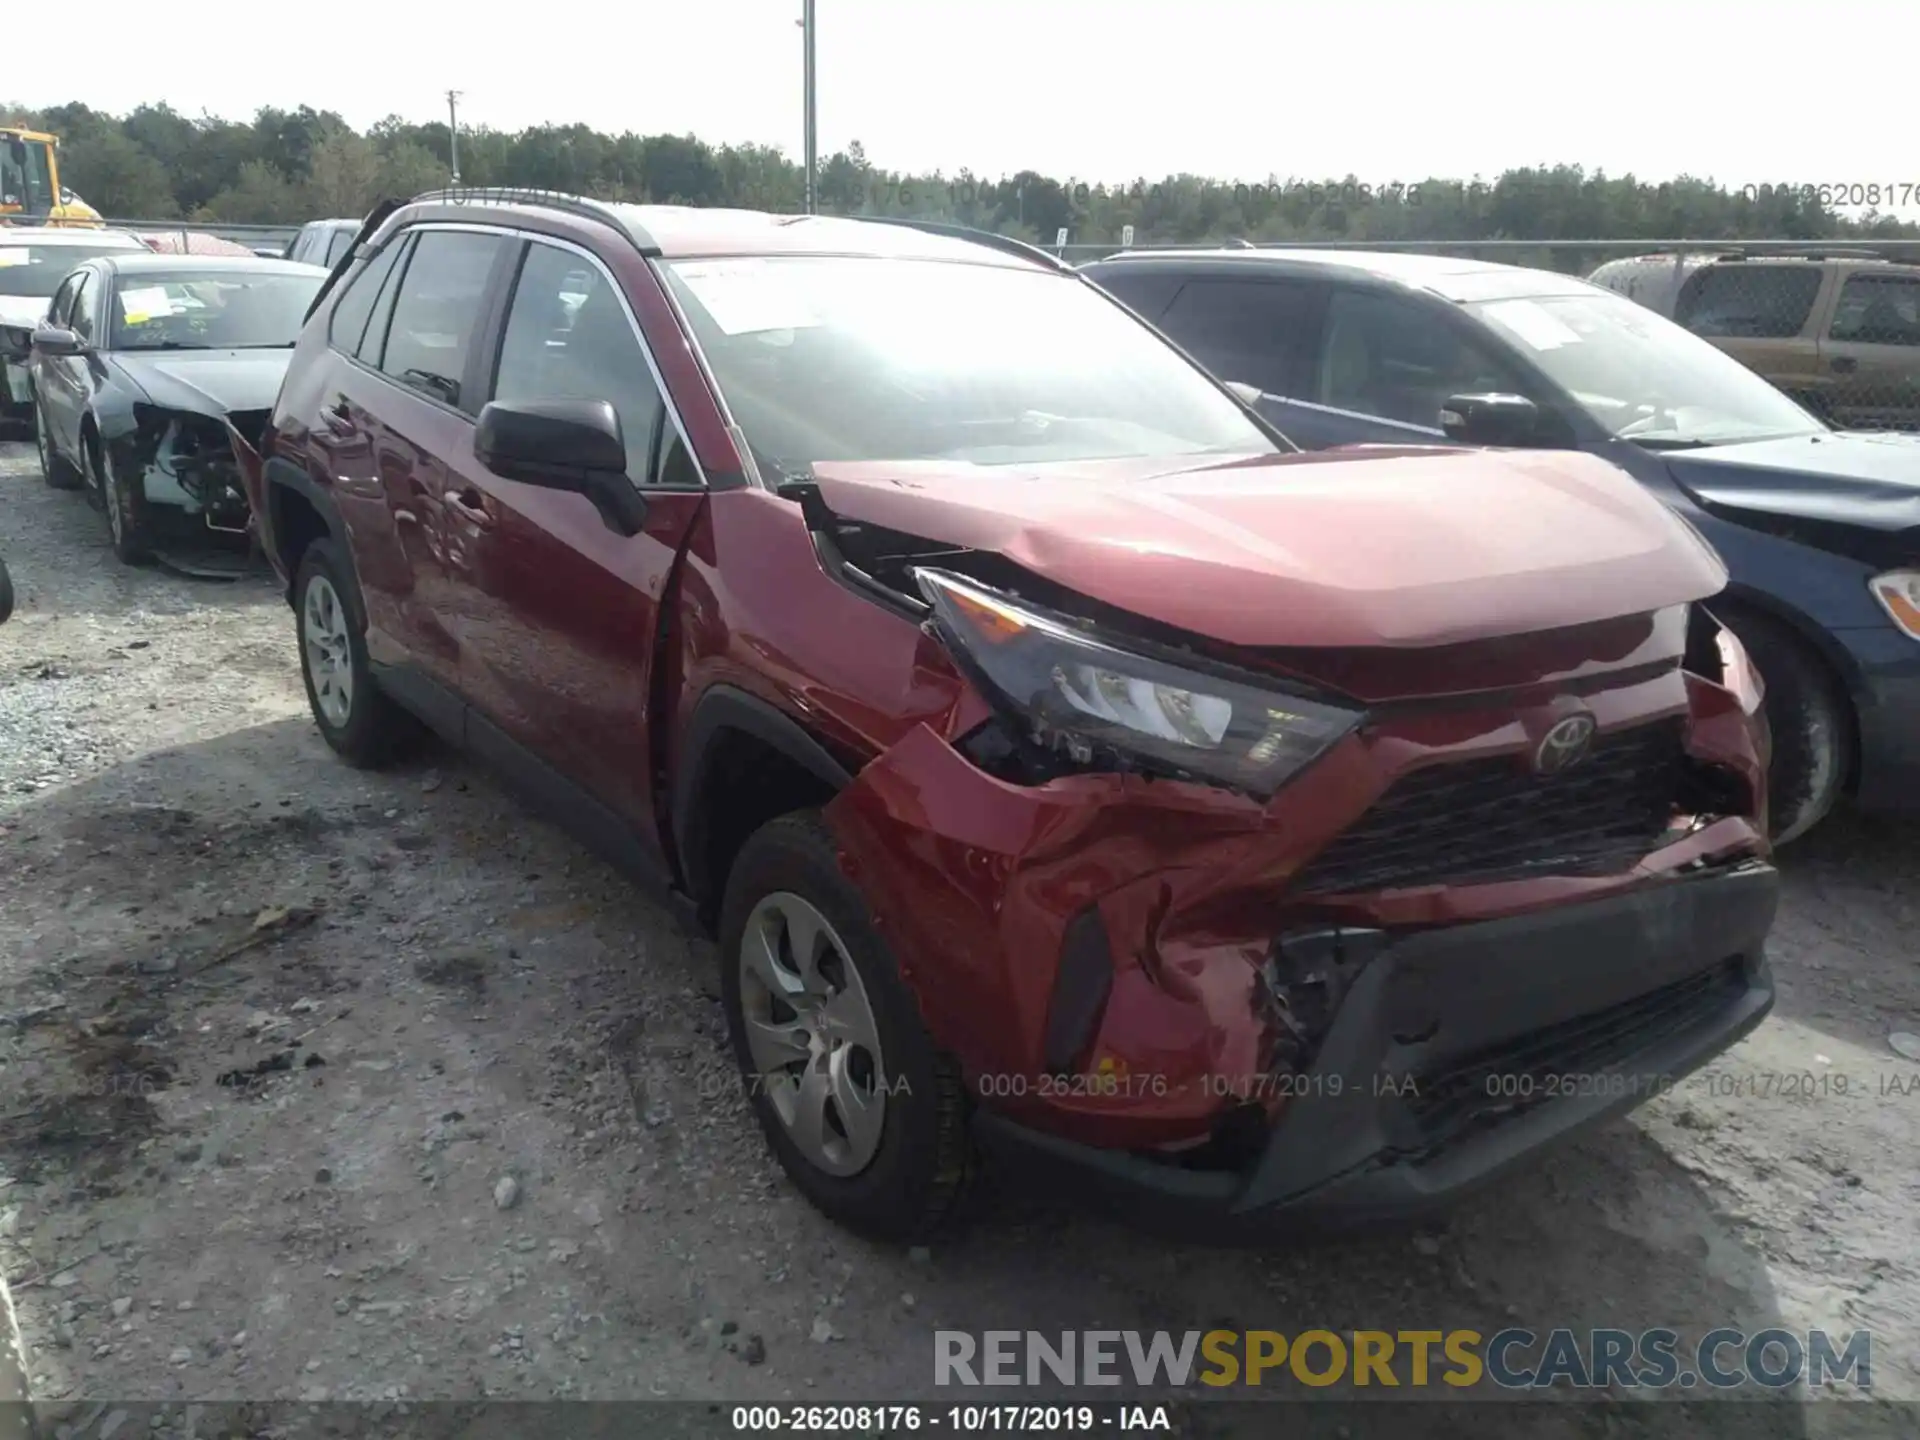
{"points": [[27, 310], [1402, 547], [210, 382], [1872, 480]]}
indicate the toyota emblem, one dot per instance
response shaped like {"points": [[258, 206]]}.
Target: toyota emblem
{"points": [[1564, 746]]}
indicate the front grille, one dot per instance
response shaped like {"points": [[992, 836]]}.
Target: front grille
{"points": [[1571, 1059], [1482, 820]]}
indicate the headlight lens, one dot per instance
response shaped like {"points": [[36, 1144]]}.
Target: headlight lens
{"points": [[1082, 696], [1898, 592]]}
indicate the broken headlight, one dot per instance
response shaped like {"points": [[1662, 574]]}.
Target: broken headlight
{"points": [[1097, 703]]}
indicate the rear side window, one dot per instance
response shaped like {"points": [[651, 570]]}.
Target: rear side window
{"points": [[350, 311], [1260, 332], [1143, 293], [1878, 310], [1745, 301], [436, 311], [568, 337], [337, 246]]}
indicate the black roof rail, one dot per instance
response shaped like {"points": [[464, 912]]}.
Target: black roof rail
{"points": [[990, 238], [580, 206]]}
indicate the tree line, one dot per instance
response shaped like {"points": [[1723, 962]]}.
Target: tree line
{"points": [[288, 166]]}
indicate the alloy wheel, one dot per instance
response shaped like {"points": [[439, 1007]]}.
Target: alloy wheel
{"points": [[326, 649], [812, 1034]]}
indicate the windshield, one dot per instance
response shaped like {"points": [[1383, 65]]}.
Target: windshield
{"points": [[227, 310], [831, 358], [35, 271], [1641, 376]]}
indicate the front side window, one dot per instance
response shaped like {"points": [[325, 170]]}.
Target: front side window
{"points": [[1746, 301], [435, 311], [1400, 361], [85, 316], [35, 271], [568, 337], [825, 358], [1878, 310], [210, 310], [1641, 376], [59, 312]]}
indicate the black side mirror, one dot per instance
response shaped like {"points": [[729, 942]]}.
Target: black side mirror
{"points": [[16, 341], [572, 445], [52, 340], [1493, 419]]}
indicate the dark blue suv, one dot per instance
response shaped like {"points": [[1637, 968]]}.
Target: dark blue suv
{"points": [[1820, 529]]}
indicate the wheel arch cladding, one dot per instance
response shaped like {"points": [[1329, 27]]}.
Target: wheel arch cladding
{"points": [[299, 514], [743, 762]]}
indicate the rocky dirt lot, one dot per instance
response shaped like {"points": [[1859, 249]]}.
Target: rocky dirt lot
{"points": [[320, 1085]]}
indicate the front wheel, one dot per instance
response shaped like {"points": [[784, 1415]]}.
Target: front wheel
{"points": [[125, 503], [865, 1115], [1811, 721]]}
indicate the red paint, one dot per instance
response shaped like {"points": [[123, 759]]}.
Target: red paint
{"points": [[1504, 583]]}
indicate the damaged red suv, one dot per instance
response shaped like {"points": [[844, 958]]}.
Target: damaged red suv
{"points": [[1066, 764]]}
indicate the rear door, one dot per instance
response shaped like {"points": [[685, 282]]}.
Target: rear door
{"points": [[1263, 332], [558, 612], [413, 411], [1762, 313], [1870, 350]]}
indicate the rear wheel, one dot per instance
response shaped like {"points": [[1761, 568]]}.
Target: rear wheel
{"points": [[358, 719], [58, 473], [1811, 720]]}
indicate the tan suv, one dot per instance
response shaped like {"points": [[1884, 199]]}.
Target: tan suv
{"points": [[1839, 331]]}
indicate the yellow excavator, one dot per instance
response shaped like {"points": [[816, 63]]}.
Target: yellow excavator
{"points": [[30, 188]]}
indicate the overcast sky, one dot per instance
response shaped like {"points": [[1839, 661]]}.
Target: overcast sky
{"points": [[1236, 89]]}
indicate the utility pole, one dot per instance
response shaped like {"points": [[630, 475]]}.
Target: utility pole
{"points": [[806, 25], [453, 132]]}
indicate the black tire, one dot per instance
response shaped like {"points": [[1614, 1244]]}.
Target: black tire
{"points": [[6, 592], [122, 503], [58, 472], [913, 1184], [374, 730], [1812, 723]]}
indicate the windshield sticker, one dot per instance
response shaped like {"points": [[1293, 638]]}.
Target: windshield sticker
{"points": [[12, 255], [744, 298], [140, 306], [1535, 324]]}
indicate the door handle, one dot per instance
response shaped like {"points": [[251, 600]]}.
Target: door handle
{"points": [[471, 506], [338, 417], [1845, 364]]}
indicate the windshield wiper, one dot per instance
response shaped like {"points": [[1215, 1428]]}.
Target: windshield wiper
{"points": [[170, 345], [1671, 442]]}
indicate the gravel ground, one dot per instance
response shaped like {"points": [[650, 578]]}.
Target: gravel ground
{"points": [[194, 889]]}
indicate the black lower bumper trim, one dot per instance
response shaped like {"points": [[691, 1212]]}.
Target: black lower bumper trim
{"points": [[1543, 1025]]}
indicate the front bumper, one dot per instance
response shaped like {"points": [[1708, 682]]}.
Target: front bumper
{"points": [[1888, 704], [1529, 1029]]}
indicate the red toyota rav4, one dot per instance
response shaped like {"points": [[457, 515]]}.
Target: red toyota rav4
{"points": [[1065, 763]]}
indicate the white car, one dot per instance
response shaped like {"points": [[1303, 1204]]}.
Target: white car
{"points": [[34, 259]]}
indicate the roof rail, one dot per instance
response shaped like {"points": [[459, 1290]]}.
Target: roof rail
{"points": [[1818, 252], [990, 238], [581, 206]]}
